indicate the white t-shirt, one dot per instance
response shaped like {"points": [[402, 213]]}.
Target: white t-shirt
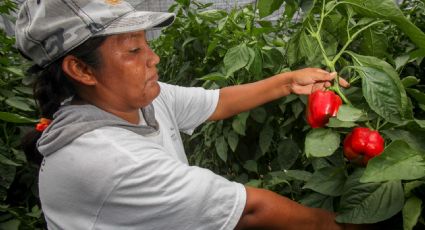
{"points": [[113, 178]]}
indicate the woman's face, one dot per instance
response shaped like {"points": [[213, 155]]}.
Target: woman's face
{"points": [[127, 76]]}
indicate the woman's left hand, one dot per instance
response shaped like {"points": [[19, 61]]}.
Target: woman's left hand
{"points": [[303, 81]]}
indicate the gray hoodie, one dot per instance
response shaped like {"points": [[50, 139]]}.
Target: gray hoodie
{"points": [[72, 121]]}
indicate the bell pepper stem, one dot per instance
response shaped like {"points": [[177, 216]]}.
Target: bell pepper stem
{"points": [[335, 87], [369, 125]]}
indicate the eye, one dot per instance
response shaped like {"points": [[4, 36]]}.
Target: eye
{"points": [[134, 50]]}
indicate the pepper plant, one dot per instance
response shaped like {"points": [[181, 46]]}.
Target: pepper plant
{"points": [[19, 205], [378, 46]]}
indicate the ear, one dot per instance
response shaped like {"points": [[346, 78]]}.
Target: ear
{"points": [[78, 70]]}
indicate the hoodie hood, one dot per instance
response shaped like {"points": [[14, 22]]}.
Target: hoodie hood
{"points": [[72, 121]]}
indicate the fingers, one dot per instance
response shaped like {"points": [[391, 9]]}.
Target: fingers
{"points": [[326, 76], [343, 83]]}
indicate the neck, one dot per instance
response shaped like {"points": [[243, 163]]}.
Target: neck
{"points": [[132, 116]]}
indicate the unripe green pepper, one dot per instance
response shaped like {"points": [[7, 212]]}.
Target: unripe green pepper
{"points": [[321, 106]]}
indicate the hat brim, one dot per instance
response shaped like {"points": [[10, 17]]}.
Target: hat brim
{"points": [[138, 20]]}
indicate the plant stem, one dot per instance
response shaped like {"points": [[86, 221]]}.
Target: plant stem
{"points": [[382, 125], [253, 18], [351, 39], [369, 125], [377, 123], [335, 87], [354, 79], [6, 136], [331, 63]]}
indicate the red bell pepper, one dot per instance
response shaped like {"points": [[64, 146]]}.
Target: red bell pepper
{"points": [[42, 125], [363, 144], [321, 106]]}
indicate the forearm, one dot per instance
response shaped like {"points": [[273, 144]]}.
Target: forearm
{"points": [[268, 210], [240, 98]]}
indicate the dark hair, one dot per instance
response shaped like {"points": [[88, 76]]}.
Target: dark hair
{"points": [[52, 86]]}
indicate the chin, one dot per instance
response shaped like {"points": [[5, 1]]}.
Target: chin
{"points": [[150, 96], [156, 89]]}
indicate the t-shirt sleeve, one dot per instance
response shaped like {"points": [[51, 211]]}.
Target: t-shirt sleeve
{"points": [[162, 193], [191, 105]]}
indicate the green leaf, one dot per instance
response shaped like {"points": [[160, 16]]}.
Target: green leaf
{"points": [[211, 47], [288, 153], [11, 224], [369, 202], [349, 113], [256, 64], [251, 166], [185, 3], [383, 89], [415, 139], [291, 8], [233, 140], [421, 123], [411, 212], [239, 123], [328, 181], [398, 162], [13, 70], [409, 81], [236, 58], [221, 147], [266, 137], [297, 108], [6, 161], [212, 15], [267, 7], [222, 23], [272, 57], [418, 95], [276, 178], [187, 41], [25, 90], [214, 77], [259, 114], [254, 183], [309, 49], [317, 200], [411, 186], [382, 95], [374, 43], [401, 61], [298, 175], [387, 9], [7, 175], [336, 123], [35, 212], [19, 103], [321, 142], [15, 118]]}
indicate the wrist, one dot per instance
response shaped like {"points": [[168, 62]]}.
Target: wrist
{"points": [[285, 84]]}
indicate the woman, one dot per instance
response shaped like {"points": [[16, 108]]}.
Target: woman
{"points": [[112, 153]]}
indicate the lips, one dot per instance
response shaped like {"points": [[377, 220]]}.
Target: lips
{"points": [[154, 78]]}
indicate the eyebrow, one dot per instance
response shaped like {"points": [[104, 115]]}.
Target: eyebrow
{"points": [[131, 36], [135, 35]]}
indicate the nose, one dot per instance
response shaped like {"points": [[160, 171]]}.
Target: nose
{"points": [[153, 58]]}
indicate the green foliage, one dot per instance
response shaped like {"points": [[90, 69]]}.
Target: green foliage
{"points": [[19, 205], [377, 46], [398, 162]]}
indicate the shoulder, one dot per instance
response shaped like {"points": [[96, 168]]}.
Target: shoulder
{"points": [[106, 150]]}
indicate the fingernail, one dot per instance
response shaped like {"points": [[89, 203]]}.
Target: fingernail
{"points": [[333, 74]]}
